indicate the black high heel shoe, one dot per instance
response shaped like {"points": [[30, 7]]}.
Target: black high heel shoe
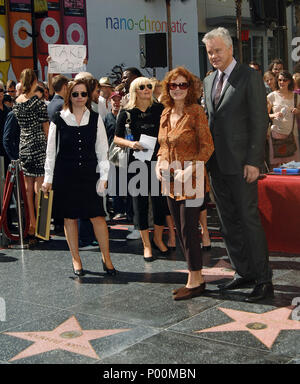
{"points": [[78, 272], [110, 272], [164, 253]]}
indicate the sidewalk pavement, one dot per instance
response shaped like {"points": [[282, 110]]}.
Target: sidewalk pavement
{"points": [[49, 316]]}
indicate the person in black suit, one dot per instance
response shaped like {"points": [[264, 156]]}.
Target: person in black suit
{"points": [[11, 136], [235, 100], [60, 86]]}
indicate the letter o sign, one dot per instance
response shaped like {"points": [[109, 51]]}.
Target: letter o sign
{"points": [[19, 26], [50, 30], [75, 34]]}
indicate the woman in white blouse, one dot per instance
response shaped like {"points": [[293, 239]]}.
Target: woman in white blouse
{"points": [[281, 109], [76, 151]]}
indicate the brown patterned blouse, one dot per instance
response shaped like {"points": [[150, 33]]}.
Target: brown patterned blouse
{"points": [[190, 140]]}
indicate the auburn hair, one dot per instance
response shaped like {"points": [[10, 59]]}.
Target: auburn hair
{"points": [[192, 94]]}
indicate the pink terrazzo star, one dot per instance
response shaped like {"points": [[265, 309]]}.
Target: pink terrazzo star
{"points": [[264, 326], [68, 336], [221, 270]]}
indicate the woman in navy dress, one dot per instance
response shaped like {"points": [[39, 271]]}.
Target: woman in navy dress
{"points": [[76, 152]]}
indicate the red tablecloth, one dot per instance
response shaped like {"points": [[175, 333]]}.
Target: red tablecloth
{"points": [[279, 206]]}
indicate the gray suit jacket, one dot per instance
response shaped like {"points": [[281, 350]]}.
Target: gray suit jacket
{"points": [[239, 123]]}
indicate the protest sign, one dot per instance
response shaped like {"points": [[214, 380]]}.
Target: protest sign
{"points": [[66, 58]]}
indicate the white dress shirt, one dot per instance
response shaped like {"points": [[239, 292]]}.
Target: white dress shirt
{"points": [[227, 73], [104, 107], [101, 146]]}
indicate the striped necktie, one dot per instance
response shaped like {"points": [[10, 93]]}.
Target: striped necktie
{"points": [[219, 89]]}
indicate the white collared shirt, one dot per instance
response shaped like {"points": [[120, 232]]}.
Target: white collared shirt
{"points": [[227, 72], [104, 107], [101, 146]]}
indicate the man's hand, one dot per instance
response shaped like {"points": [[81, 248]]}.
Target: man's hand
{"points": [[251, 173]]}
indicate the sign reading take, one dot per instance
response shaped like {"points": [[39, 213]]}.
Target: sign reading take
{"points": [[66, 58]]}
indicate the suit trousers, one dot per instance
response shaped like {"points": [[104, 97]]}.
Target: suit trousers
{"points": [[186, 220], [244, 237]]}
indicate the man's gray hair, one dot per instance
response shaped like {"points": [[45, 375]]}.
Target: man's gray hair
{"points": [[219, 32]]}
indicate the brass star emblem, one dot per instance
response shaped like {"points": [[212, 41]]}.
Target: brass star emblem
{"points": [[264, 326], [68, 336]]}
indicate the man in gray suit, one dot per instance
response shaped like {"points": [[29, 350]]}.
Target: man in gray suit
{"points": [[235, 100]]}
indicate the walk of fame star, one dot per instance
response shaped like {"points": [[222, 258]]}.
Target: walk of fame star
{"points": [[68, 336], [264, 326], [221, 270]]}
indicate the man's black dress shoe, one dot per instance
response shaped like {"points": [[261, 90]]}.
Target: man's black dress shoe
{"points": [[234, 284], [260, 292]]}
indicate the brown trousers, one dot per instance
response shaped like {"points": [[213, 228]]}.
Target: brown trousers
{"points": [[186, 220]]}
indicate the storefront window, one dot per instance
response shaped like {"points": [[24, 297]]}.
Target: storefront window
{"points": [[258, 52], [202, 56], [271, 49], [246, 50]]}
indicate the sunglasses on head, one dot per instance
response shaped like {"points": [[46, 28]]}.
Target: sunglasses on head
{"points": [[182, 86], [143, 86], [82, 94]]}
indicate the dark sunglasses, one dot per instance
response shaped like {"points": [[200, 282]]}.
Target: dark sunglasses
{"points": [[143, 86], [182, 86], [1, 90], [82, 94]]}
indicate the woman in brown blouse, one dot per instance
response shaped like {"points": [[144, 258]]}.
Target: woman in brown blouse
{"points": [[184, 136]]}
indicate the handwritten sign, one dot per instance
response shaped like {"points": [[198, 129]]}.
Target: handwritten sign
{"points": [[66, 58]]}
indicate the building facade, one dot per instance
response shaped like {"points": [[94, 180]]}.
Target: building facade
{"points": [[111, 29]]}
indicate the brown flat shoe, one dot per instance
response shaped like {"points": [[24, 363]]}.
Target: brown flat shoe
{"points": [[176, 290], [188, 293]]}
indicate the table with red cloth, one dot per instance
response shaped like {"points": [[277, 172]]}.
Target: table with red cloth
{"points": [[279, 206]]}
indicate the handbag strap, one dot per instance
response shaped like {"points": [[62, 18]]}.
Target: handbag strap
{"points": [[128, 123], [295, 106]]}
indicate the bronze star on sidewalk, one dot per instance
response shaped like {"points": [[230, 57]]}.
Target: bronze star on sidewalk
{"points": [[68, 336], [264, 326]]}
